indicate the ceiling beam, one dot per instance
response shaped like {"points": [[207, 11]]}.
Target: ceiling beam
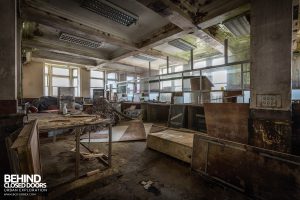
{"points": [[55, 45], [188, 20], [161, 36], [218, 8], [119, 66], [63, 57], [66, 25], [169, 10]]}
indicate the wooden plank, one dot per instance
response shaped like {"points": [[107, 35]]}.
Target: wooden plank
{"points": [[135, 131], [27, 147], [173, 143], [227, 121], [261, 173]]}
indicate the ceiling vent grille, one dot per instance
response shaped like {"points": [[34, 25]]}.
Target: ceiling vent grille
{"points": [[238, 26], [145, 57], [181, 44], [79, 40], [110, 11]]}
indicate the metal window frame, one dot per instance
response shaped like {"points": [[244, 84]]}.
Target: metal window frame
{"points": [[51, 75]]}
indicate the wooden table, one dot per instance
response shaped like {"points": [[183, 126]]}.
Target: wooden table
{"points": [[78, 123]]}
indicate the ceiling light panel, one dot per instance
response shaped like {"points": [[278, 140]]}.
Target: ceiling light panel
{"points": [[145, 57], [110, 11], [79, 40], [181, 44]]}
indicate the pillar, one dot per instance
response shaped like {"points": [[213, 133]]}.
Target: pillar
{"points": [[271, 40], [8, 57]]}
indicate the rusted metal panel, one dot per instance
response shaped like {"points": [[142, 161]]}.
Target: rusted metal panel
{"points": [[272, 134], [271, 129], [261, 173], [227, 121]]}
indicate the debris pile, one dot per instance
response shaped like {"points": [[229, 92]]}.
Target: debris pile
{"points": [[103, 108]]}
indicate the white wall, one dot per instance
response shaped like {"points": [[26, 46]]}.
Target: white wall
{"points": [[32, 80]]}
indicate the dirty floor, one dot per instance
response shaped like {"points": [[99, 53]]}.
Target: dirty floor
{"points": [[172, 179]]}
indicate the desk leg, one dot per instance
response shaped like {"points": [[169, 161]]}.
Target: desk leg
{"points": [[109, 144], [77, 135]]}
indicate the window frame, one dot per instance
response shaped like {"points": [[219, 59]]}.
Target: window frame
{"points": [[96, 78], [50, 76]]}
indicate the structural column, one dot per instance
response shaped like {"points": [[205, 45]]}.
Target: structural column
{"points": [[8, 57], [271, 40]]}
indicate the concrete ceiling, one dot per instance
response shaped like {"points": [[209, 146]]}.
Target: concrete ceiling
{"points": [[159, 21]]}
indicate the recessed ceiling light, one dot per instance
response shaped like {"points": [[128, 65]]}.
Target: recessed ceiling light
{"points": [[182, 44], [79, 40], [111, 11]]}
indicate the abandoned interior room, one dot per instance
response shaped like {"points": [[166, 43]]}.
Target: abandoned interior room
{"points": [[150, 99]]}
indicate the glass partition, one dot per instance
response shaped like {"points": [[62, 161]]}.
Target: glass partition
{"points": [[207, 84]]}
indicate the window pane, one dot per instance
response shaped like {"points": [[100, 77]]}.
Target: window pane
{"points": [[199, 64], [218, 61], [59, 81], [112, 76], [138, 88], [129, 78], [75, 72], [60, 71], [46, 69], [178, 68], [46, 91], [54, 91], [76, 92], [46, 80], [177, 83], [75, 82], [97, 83], [96, 74]]}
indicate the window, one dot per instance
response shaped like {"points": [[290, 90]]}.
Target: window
{"points": [[96, 81], [200, 64], [112, 79], [178, 68], [163, 70], [56, 76], [218, 61], [130, 78]]}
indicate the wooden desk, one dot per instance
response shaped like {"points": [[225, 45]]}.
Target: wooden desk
{"points": [[78, 123]]}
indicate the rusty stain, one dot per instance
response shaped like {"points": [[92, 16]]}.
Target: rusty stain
{"points": [[275, 135]]}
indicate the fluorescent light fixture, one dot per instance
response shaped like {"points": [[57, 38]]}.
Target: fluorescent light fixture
{"points": [[238, 26], [79, 40], [145, 57], [111, 11], [181, 44]]}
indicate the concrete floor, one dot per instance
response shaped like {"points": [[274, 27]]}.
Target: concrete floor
{"points": [[135, 163]]}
